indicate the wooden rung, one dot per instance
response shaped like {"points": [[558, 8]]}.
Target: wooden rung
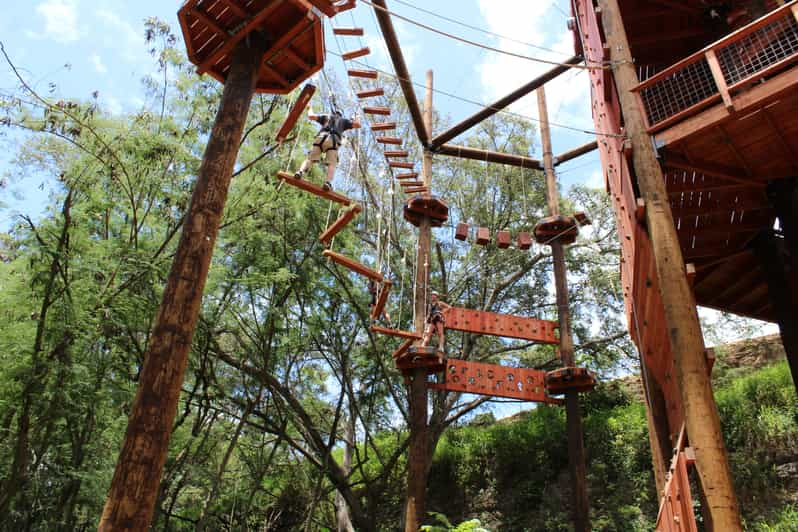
{"points": [[395, 332], [389, 140], [412, 183], [402, 349], [396, 153], [298, 108], [415, 190], [353, 265], [340, 8], [357, 73], [377, 110], [339, 224], [307, 186], [383, 126], [412, 175], [370, 93], [348, 31], [401, 164], [376, 310], [354, 54]]}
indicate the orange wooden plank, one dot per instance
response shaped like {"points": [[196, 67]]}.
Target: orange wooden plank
{"points": [[401, 164], [416, 190], [411, 183], [396, 153], [296, 111], [359, 73], [353, 265], [385, 111], [348, 31], [354, 54], [383, 126], [396, 332], [307, 186], [370, 93], [402, 349], [376, 311], [411, 175], [494, 380], [339, 224], [505, 325], [389, 140]]}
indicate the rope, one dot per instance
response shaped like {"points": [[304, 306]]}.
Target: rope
{"points": [[480, 45]]}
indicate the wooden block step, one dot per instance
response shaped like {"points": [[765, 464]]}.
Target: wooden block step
{"points": [[376, 310], [411, 183], [402, 349], [307, 186], [297, 109], [416, 190], [355, 266], [396, 153], [354, 54], [348, 31], [396, 332], [370, 93], [339, 224], [412, 175], [389, 140], [357, 73], [401, 164], [383, 126], [377, 110]]}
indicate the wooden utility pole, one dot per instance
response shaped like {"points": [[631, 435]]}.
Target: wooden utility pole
{"points": [[419, 438], [576, 449], [684, 330], [134, 488]]}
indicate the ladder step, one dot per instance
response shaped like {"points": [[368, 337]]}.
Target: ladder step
{"points": [[339, 224], [401, 164], [340, 8], [412, 183], [383, 126], [355, 266], [415, 190], [348, 31], [389, 140], [298, 108], [376, 311], [354, 54], [370, 93], [395, 332], [307, 186], [402, 349], [377, 110], [356, 73], [396, 153], [412, 175]]}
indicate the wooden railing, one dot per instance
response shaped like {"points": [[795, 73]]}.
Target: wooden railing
{"points": [[718, 71]]}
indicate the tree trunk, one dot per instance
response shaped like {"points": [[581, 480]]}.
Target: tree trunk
{"points": [[344, 521], [134, 488]]}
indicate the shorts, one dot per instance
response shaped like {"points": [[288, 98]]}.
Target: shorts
{"points": [[327, 147]]}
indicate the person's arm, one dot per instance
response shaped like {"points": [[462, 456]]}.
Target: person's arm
{"points": [[356, 122], [444, 306]]}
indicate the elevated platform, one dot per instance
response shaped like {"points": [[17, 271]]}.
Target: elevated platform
{"points": [[428, 358], [569, 379], [211, 31], [418, 207], [494, 380], [504, 325]]}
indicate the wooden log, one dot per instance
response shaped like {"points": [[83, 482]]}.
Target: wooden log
{"points": [[411, 184], [389, 140], [348, 31], [359, 73], [385, 289], [416, 190], [353, 265], [385, 111], [296, 111], [383, 126], [410, 335], [411, 175], [339, 224], [402, 349], [402, 164], [396, 153], [307, 186], [477, 154], [370, 93]]}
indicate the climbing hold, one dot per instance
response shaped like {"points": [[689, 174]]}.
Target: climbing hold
{"points": [[461, 231]]}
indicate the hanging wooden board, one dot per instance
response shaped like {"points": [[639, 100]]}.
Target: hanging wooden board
{"points": [[296, 111]]}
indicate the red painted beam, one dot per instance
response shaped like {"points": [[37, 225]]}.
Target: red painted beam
{"points": [[296, 111], [506, 325]]}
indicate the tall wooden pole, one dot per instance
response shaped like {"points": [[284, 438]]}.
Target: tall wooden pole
{"points": [[419, 437], [134, 488], [576, 449], [684, 330]]}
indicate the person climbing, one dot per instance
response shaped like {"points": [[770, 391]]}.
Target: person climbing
{"points": [[374, 290], [327, 141], [435, 321]]}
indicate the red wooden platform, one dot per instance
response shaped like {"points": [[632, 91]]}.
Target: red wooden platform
{"points": [[497, 381], [505, 325]]}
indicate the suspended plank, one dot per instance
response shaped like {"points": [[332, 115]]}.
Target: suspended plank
{"points": [[355, 266], [383, 126], [376, 311], [377, 111], [411, 183], [411, 175], [348, 31], [370, 93], [339, 224], [354, 54], [357, 73], [296, 111], [461, 232], [396, 153], [415, 190], [396, 332], [504, 325], [401, 164], [402, 349], [389, 140], [307, 186]]}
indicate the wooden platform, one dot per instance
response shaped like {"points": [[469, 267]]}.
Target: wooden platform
{"points": [[307, 186]]}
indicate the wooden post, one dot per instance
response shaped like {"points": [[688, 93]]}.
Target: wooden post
{"points": [[684, 330], [134, 488], [576, 449], [419, 438]]}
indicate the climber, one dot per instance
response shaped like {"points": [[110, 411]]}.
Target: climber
{"points": [[435, 321], [327, 142], [374, 290]]}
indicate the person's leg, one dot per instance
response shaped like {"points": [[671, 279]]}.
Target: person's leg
{"points": [[314, 156], [441, 341], [427, 335], [331, 156]]}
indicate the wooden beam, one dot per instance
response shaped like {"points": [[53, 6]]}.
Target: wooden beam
{"points": [[389, 140], [307, 186], [339, 224], [370, 93], [576, 152], [360, 73], [411, 175], [377, 110], [490, 110], [711, 169], [348, 31], [385, 289], [233, 6], [410, 335], [353, 265], [465, 152], [416, 190], [396, 153], [399, 66], [354, 54], [402, 164], [383, 126]]}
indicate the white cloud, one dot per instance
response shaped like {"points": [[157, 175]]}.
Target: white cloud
{"points": [[60, 21], [122, 34], [113, 105], [98, 64]]}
